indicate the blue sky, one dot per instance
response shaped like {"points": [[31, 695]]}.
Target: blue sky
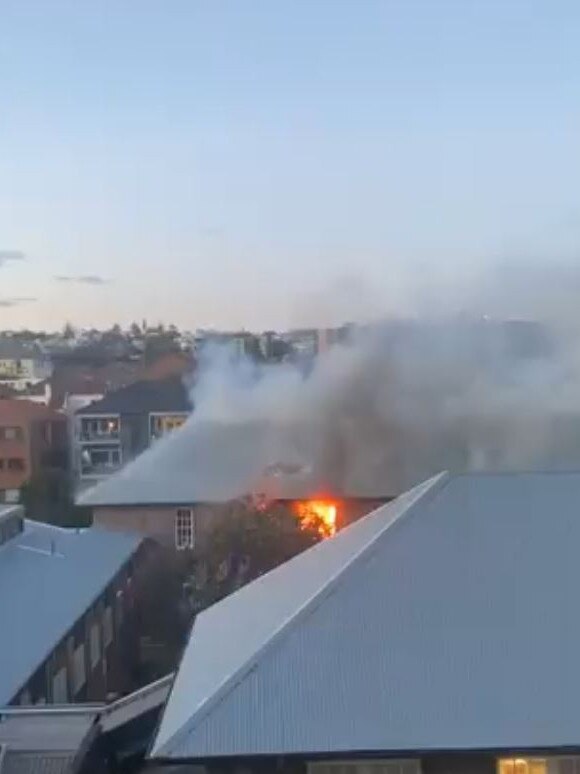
{"points": [[259, 163]]}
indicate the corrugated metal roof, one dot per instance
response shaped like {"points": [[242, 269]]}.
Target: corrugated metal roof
{"points": [[49, 576], [228, 638], [143, 397], [455, 628]]}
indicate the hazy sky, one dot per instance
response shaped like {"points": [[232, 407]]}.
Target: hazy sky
{"points": [[244, 162]]}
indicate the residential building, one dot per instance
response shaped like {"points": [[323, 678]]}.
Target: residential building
{"points": [[438, 635], [66, 600], [176, 497], [33, 440], [22, 364], [112, 431]]}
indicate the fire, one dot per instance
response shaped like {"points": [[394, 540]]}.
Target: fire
{"points": [[320, 514]]}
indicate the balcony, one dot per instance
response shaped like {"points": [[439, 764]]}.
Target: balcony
{"points": [[99, 430], [100, 462]]}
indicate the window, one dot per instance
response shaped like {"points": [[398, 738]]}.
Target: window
{"points": [[15, 463], [555, 765], [11, 495], [366, 767], [95, 644], [107, 627], [103, 459], [184, 529], [159, 424], [119, 610], [11, 433], [59, 687], [79, 675], [521, 766]]}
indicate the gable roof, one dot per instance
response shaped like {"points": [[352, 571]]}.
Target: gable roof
{"points": [[49, 577], [445, 620], [210, 461], [143, 397]]}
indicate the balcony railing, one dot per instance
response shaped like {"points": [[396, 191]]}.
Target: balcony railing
{"points": [[91, 435]]}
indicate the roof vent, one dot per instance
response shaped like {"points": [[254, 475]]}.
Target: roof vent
{"points": [[11, 523]]}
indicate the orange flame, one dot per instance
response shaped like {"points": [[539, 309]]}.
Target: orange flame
{"points": [[317, 514]]}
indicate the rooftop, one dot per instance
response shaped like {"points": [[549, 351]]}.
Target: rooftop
{"points": [[215, 462], [49, 577], [449, 615], [14, 349], [12, 409], [143, 397]]}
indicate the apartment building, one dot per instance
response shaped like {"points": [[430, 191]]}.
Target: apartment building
{"points": [[110, 432], [33, 439]]}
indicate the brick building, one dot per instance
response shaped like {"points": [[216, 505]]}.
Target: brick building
{"points": [[67, 598], [33, 439]]}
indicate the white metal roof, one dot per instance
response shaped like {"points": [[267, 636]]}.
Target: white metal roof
{"points": [[445, 620], [228, 638]]}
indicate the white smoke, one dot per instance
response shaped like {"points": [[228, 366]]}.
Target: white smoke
{"points": [[399, 402]]}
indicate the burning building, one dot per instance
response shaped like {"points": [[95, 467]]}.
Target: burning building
{"points": [[215, 465]]}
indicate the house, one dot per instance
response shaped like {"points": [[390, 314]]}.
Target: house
{"points": [[66, 600], [33, 440], [22, 364], [112, 431], [176, 491], [438, 634]]}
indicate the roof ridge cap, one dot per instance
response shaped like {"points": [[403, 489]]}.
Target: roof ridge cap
{"points": [[432, 486]]}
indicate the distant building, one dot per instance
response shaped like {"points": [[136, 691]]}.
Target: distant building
{"points": [[33, 440], [22, 364], [114, 430], [437, 635], [65, 599]]}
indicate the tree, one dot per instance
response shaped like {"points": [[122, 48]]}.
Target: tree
{"points": [[68, 332], [249, 541], [135, 330]]}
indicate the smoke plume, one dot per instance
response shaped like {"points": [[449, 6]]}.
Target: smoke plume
{"points": [[395, 404]]}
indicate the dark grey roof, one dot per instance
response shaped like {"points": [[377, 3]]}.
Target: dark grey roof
{"points": [[446, 620], [49, 577], [215, 462], [13, 349], [143, 397]]}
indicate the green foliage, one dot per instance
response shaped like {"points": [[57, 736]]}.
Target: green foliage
{"points": [[248, 541]]}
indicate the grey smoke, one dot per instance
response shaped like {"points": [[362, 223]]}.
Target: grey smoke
{"points": [[466, 387], [398, 403], [83, 279]]}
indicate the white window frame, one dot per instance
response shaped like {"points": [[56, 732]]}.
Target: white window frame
{"points": [[184, 529], [384, 766]]}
